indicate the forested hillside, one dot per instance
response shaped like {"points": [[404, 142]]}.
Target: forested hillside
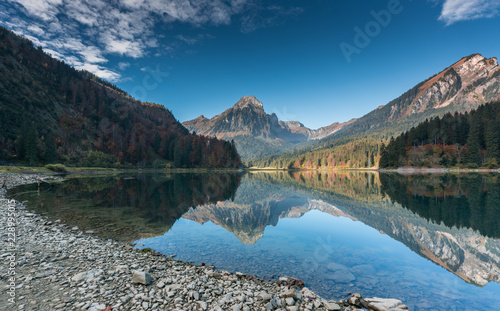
{"points": [[469, 139], [50, 112], [362, 153]]}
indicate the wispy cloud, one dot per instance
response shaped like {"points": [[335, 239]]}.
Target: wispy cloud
{"points": [[44, 9], [461, 10], [192, 40], [84, 33], [123, 65], [263, 17], [100, 71]]}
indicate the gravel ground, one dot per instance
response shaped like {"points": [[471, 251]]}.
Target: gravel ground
{"points": [[47, 265]]}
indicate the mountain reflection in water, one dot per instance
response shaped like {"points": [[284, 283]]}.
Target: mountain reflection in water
{"points": [[340, 231]]}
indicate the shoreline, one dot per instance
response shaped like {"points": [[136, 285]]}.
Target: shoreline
{"points": [[438, 170], [102, 171], [62, 268], [401, 170]]}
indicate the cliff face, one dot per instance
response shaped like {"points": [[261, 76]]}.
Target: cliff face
{"points": [[468, 83], [306, 134], [246, 116]]}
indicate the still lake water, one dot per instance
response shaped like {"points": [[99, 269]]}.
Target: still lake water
{"points": [[432, 241]]}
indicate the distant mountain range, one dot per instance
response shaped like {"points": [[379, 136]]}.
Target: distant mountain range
{"points": [[257, 133]]}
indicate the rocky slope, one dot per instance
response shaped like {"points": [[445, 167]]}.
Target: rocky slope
{"points": [[308, 134], [470, 82], [247, 120]]}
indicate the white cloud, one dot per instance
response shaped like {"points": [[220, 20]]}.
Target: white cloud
{"points": [[263, 17], [55, 54], [36, 30], [462, 10], [84, 33], [92, 54], [100, 71], [44, 9], [188, 40], [35, 40], [123, 46], [123, 65]]}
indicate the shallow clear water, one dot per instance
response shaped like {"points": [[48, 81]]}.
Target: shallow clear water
{"points": [[431, 241]]}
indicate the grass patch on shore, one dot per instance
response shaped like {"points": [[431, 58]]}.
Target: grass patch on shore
{"points": [[56, 168], [51, 168], [23, 169]]}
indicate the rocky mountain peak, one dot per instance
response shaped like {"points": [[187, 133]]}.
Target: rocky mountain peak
{"points": [[292, 124], [475, 64], [255, 132], [494, 61], [249, 101], [471, 81]]}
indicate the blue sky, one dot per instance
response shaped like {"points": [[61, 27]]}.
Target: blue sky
{"points": [[305, 60]]}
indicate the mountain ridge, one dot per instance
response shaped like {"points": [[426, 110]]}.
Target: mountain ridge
{"points": [[469, 82], [247, 120]]}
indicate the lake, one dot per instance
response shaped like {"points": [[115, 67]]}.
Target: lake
{"points": [[432, 240]]}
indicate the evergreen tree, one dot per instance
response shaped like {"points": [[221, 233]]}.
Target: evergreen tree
{"points": [[451, 140], [384, 157], [492, 137], [21, 141], [31, 145], [157, 142], [50, 151], [177, 155], [473, 144]]}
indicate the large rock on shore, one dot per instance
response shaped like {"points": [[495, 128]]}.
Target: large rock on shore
{"points": [[141, 277], [381, 304], [88, 276]]}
